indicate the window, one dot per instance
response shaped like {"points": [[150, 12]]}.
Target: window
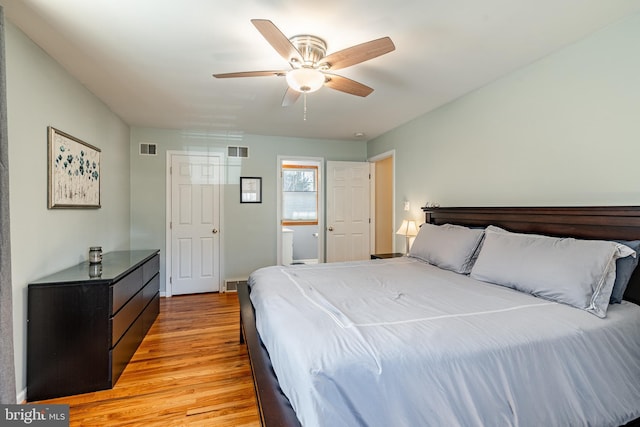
{"points": [[299, 195]]}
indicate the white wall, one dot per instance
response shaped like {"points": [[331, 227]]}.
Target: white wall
{"points": [[248, 230], [39, 94], [562, 131]]}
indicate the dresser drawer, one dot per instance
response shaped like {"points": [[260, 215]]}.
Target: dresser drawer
{"points": [[151, 312], [128, 344], [125, 288], [150, 268], [151, 289], [126, 316]]}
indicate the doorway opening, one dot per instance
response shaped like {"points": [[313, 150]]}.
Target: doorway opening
{"points": [[300, 210], [382, 203]]}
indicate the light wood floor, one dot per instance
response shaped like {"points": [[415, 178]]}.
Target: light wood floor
{"points": [[190, 370]]}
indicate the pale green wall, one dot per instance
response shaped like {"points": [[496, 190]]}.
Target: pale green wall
{"points": [[40, 93], [562, 131], [248, 230]]}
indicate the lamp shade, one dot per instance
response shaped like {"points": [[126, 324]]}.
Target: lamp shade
{"points": [[408, 228], [305, 79]]}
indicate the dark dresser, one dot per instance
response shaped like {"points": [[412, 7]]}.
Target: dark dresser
{"points": [[82, 330]]}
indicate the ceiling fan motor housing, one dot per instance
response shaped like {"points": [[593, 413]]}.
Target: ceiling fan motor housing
{"points": [[311, 48]]}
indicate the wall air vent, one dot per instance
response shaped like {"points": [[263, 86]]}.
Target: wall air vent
{"points": [[147, 149], [234, 151], [231, 285]]}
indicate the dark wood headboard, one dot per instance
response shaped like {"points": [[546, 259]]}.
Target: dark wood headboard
{"points": [[592, 222]]}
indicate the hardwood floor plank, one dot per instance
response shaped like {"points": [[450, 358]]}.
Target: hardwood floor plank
{"points": [[190, 370]]}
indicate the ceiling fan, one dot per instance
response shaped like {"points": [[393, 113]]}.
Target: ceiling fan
{"points": [[311, 68]]}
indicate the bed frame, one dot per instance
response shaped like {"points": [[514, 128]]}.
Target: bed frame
{"points": [[599, 222]]}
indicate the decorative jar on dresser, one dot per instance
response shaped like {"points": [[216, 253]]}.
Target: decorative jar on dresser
{"points": [[84, 324]]}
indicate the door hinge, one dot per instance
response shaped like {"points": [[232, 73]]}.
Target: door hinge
{"points": [[170, 170], [170, 225], [170, 281]]}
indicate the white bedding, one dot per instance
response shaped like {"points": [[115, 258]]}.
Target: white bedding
{"points": [[401, 343]]}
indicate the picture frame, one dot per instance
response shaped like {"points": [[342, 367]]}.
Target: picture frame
{"points": [[250, 189], [73, 172]]}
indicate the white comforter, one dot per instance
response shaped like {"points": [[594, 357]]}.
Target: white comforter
{"points": [[401, 343]]}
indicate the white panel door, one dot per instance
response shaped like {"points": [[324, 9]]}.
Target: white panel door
{"points": [[347, 211], [195, 223]]}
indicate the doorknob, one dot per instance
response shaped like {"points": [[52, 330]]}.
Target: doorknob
{"points": [[330, 228], [214, 231]]}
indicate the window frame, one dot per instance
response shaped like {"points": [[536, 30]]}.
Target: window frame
{"points": [[291, 222]]}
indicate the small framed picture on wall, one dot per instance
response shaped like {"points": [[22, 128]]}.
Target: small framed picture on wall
{"points": [[250, 189]]}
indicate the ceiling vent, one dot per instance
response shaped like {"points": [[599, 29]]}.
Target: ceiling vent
{"points": [[147, 149], [234, 151]]}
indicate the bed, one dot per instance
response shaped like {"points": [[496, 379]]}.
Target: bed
{"points": [[451, 388]]}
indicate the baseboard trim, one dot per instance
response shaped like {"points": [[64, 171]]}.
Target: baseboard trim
{"points": [[22, 396]]}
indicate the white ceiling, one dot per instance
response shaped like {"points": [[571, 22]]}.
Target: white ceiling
{"points": [[151, 61]]}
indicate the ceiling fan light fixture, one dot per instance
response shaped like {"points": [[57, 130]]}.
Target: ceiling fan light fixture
{"points": [[305, 80], [307, 56]]}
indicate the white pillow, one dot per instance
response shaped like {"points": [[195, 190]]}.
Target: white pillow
{"points": [[576, 272], [450, 247]]}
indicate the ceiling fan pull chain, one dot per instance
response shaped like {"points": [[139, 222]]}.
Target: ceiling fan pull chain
{"points": [[304, 95]]}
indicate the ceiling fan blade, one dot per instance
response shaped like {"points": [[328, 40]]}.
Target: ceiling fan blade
{"points": [[359, 53], [250, 74], [344, 84], [290, 97], [279, 41]]}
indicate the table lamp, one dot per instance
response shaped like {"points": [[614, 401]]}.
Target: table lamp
{"points": [[408, 229]]}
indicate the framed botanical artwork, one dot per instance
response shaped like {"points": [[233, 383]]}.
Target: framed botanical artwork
{"points": [[250, 189], [74, 172]]}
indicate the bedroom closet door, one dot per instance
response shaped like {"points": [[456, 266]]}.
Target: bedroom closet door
{"points": [[347, 211], [195, 224]]}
